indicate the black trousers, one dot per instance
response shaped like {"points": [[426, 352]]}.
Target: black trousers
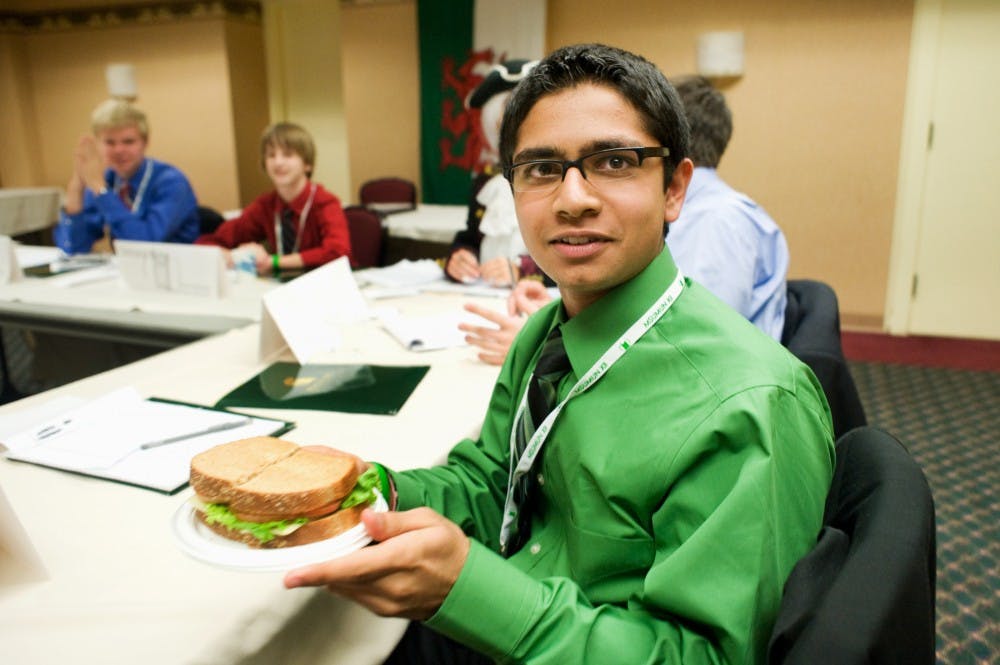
{"points": [[422, 646]]}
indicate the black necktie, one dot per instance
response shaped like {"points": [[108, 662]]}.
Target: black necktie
{"points": [[288, 231], [543, 395]]}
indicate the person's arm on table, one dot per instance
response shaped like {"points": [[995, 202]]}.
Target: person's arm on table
{"points": [[335, 235]]}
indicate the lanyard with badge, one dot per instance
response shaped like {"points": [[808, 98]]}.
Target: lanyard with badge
{"points": [[597, 370], [298, 227], [147, 174]]}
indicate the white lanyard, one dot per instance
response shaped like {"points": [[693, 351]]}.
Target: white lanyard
{"points": [[603, 364], [298, 229], [143, 184]]}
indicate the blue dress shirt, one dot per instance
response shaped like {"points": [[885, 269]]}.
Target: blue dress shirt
{"points": [[165, 210], [731, 246]]}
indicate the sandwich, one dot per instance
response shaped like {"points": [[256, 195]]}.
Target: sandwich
{"points": [[268, 493]]}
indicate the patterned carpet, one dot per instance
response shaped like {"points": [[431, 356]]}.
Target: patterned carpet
{"points": [[950, 421]]}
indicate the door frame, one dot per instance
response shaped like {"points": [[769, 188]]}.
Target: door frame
{"points": [[913, 156]]}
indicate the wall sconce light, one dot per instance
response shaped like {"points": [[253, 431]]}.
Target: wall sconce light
{"points": [[121, 81], [720, 54]]}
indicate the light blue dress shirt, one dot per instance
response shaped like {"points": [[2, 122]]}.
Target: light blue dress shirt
{"points": [[731, 246]]}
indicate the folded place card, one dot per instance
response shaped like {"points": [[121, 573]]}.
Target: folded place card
{"points": [[305, 314], [10, 269], [19, 561], [198, 270], [376, 389]]}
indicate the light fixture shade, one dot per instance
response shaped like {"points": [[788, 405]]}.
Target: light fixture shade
{"points": [[121, 81], [720, 54]]}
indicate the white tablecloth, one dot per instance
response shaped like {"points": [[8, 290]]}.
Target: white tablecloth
{"points": [[430, 222], [28, 209]]}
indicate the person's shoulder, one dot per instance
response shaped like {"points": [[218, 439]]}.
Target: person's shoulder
{"points": [[724, 349], [324, 196]]}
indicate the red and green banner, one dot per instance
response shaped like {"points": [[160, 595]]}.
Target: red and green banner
{"points": [[445, 79], [459, 41]]}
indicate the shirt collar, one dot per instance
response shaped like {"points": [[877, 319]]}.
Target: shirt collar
{"points": [[591, 332], [700, 179], [134, 180], [299, 202]]}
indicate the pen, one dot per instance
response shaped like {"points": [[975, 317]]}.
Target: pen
{"points": [[232, 424], [510, 271]]}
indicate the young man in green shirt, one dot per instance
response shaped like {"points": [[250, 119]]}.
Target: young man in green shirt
{"points": [[655, 513]]}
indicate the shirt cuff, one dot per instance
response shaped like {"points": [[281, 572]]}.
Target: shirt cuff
{"points": [[491, 606]]}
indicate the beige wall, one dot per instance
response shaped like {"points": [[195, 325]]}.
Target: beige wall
{"points": [[817, 117], [382, 91]]}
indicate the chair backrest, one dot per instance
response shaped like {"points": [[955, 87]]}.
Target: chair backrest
{"points": [[812, 333], [388, 194], [209, 219], [865, 593], [366, 237]]}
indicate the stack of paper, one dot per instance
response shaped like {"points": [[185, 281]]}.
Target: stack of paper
{"points": [[123, 437]]}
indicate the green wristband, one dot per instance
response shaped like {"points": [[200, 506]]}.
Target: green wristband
{"points": [[383, 481], [274, 264]]}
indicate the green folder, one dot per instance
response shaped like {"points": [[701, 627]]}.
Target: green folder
{"points": [[377, 389]]}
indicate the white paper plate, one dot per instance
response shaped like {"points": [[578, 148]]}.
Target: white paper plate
{"points": [[198, 541]]}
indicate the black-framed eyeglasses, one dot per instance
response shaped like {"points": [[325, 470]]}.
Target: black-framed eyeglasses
{"points": [[603, 167]]}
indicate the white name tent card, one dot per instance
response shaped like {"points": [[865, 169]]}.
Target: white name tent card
{"points": [[198, 270], [19, 562], [10, 269], [305, 314]]}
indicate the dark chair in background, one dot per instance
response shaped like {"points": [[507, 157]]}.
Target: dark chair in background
{"points": [[209, 219], [385, 195], [367, 237], [812, 333], [865, 593]]}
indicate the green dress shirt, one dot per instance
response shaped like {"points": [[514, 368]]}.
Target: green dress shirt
{"points": [[676, 493]]}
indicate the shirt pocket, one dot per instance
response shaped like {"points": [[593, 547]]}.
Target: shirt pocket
{"points": [[608, 568]]}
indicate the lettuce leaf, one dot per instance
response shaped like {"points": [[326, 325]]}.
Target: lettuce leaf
{"points": [[362, 492], [218, 513]]}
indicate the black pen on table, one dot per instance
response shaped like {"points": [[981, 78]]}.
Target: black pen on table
{"points": [[221, 427]]}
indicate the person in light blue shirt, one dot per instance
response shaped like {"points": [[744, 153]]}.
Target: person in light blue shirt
{"points": [[723, 239], [115, 186]]}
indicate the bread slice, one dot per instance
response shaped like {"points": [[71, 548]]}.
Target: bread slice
{"points": [[272, 477], [216, 472], [311, 532]]}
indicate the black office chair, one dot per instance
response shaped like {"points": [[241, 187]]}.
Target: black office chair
{"points": [[367, 237], [209, 219], [812, 333], [865, 593]]}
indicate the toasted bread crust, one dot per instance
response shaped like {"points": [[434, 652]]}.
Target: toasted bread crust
{"points": [[271, 477], [310, 532]]}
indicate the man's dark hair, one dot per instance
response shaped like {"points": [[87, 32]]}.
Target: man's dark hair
{"points": [[709, 117], [635, 78]]}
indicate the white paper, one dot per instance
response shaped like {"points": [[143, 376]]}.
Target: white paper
{"points": [[306, 314], [30, 256], [427, 333], [104, 437], [10, 269], [198, 270], [404, 273]]}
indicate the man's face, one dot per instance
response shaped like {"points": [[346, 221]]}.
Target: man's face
{"points": [[122, 149], [285, 168], [590, 240]]}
